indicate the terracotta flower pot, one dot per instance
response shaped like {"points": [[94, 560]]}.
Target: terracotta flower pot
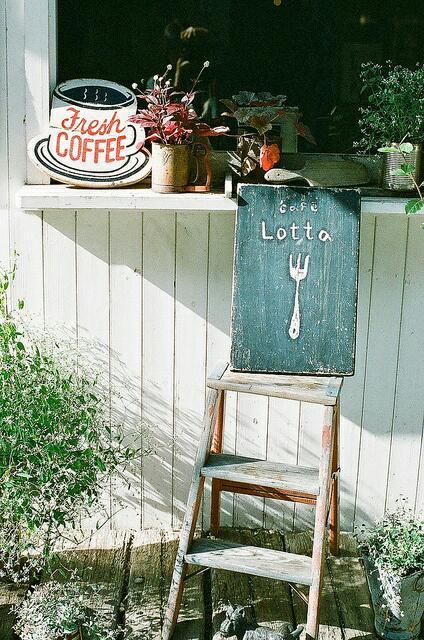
{"points": [[170, 167]]}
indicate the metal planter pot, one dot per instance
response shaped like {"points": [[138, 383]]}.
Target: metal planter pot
{"points": [[170, 167], [392, 625], [392, 161]]}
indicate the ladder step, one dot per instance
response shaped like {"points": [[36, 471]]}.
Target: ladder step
{"points": [[267, 563], [277, 475]]}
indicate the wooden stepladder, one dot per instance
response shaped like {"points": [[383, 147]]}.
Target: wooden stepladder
{"points": [[318, 486]]}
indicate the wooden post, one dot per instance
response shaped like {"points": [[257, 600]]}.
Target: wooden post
{"points": [[216, 483], [192, 509], [318, 555], [334, 537]]}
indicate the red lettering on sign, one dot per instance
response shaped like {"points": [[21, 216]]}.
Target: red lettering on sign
{"points": [[93, 127], [61, 154]]}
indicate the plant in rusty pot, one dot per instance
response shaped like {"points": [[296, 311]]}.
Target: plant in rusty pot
{"points": [[259, 147], [393, 553], [173, 125], [64, 611]]}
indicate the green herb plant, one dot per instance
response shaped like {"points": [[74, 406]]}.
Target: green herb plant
{"points": [[57, 446], [395, 109], [54, 609], [396, 546]]}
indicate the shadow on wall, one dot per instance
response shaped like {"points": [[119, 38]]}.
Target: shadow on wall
{"points": [[181, 264]]}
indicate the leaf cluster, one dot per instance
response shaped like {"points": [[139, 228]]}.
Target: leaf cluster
{"points": [[396, 546], [395, 105], [53, 610], [169, 115], [57, 447]]}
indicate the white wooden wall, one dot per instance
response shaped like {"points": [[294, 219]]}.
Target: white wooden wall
{"points": [[149, 292]]}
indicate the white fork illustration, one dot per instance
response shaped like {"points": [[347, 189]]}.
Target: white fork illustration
{"points": [[298, 273]]}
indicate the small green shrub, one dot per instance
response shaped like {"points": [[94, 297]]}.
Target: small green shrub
{"points": [[53, 610], [395, 109], [57, 446]]}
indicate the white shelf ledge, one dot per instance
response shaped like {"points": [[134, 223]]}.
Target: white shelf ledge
{"points": [[56, 196]]}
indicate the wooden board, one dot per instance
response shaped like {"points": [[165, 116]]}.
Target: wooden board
{"points": [[267, 474], [268, 602], [305, 388], [295, 280], [266, 563], [151, 565], [329, 619]]}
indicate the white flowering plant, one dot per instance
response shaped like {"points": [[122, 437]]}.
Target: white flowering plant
{"points": [[395, 544], [58, 611]]}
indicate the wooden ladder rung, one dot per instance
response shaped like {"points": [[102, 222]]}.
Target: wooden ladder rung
{"points": [[267, 563], [254, 471]]}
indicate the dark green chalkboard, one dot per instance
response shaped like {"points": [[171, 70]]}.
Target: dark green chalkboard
{"points": [[285, 234]]}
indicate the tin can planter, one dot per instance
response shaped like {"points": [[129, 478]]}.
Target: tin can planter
{"points": [[404, 621], [392, 161], [170, 167]]}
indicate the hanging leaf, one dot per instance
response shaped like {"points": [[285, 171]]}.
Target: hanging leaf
{"points": [[414, 206]]}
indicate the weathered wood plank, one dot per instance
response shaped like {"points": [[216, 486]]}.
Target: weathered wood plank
{"points": [[305, 388], [125, 294], [351, 590], [329, 618], [268, 601], [157, 400], [262, 472], [151, 565], [266, 563], [252, 427], [190, 362], [283, 418], [382, 356]]}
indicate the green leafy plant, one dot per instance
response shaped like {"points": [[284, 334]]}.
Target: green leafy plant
{"points": [[57, 446], [416, 205], [395, 109], [396, 546], [54, 611]]}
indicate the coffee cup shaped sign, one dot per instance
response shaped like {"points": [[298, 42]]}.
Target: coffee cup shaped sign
{"points": [[90, 141]]}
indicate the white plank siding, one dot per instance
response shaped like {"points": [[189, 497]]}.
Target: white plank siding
{"points": [[150, 292], [146, 293]]}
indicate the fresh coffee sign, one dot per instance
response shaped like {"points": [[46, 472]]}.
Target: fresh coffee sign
{"points": [[90, 141], [295, 280]]}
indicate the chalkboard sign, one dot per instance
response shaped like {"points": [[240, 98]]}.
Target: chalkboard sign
{"points": [[295, 280]]}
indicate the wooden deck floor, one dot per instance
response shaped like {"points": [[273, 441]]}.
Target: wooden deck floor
{"points": [[135, 572]]}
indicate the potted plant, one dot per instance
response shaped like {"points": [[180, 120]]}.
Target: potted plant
{"points": [[393, 553], [64, 611], [57, 446], [394, 116], [259, 148], [172, 125]]}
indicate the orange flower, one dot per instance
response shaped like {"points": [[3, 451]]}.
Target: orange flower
{"points": [[269, 156]]}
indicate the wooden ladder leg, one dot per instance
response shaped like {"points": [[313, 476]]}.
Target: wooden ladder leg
{"points": [[334, 537], [216, 483], [319, 545], [190, 518]]}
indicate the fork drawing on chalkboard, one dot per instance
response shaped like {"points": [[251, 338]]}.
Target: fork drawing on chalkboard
{"points": [[298, 273]]}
